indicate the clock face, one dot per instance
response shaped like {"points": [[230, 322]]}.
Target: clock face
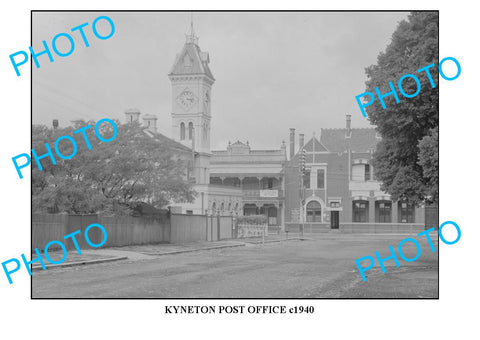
{"points": [[186, 99]]}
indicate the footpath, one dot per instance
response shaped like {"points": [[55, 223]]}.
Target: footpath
{"points": [[148, 251]]}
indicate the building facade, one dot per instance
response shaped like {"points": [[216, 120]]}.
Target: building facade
{"points": [[258, 173], [337, 188]]}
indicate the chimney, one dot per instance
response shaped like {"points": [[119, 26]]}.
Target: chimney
{"points": [[150, 122], [292, 143], [132, 115], [349, 124], [301, 140], [283, 149]]}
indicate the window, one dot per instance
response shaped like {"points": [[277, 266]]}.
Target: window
{"points": [[361, 172], [334, 204], [306, 179], [182, 131], [360, 211], [314, 212], [190, 131], [189, 212], [383, 211], [320, 179], [367, 172], [406, 212]]}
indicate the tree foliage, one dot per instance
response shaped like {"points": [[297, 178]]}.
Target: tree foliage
{"points": [[403, 125], [109, 177], [428, 159], [252, 219]]}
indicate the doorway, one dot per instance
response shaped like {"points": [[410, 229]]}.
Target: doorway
{"points": [[334, 219]]}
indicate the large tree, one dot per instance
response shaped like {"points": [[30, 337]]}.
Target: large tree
{"points": [[109, 177], [397, 162]]}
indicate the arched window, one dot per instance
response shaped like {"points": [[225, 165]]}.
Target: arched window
{"points": [[190, 130], [406, 212], [383, 211], [182, 131], [314, 212], [360, 211], [214, 207]]}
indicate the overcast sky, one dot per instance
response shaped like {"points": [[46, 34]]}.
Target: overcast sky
{"points": [[273, 70]]}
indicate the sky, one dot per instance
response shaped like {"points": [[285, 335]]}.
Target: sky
{"points": [[273, 70]]}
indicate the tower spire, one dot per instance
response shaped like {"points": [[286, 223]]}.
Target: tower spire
{"points": [[191, 38]]}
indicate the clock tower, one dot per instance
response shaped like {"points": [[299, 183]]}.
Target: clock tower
{"points": [[192, 82]]}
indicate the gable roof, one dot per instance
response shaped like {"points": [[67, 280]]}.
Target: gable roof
{"points": [[197, 59], [314, 145], [360, 140]]}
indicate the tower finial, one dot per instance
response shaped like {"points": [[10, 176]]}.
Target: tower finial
{"points": [[191, 24], [192, 38]]}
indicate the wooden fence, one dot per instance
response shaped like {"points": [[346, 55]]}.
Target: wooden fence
{"points": [[129, 230]]}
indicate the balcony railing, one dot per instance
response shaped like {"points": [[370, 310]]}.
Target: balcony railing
{"points": [[264, 193]]}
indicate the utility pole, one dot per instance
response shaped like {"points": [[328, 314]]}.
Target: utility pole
{"points": [[302, 161], [192, 174]]}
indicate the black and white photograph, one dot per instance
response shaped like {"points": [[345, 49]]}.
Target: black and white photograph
{"points": [[244, 170], [223, 156]]}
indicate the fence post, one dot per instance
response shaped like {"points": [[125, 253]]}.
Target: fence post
{"points": [[263, 235], [206, 227]]}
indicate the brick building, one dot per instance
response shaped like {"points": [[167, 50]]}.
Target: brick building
{"points": [[339, 184]]}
